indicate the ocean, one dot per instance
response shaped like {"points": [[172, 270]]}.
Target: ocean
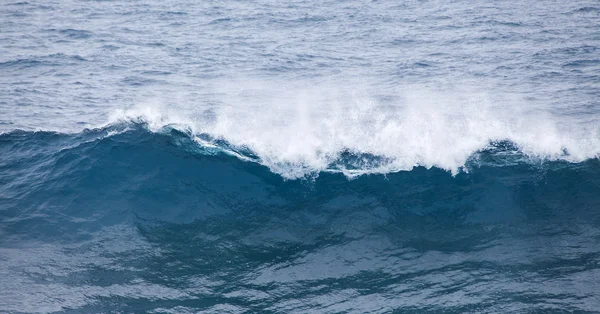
{"points": [[298, 156]]}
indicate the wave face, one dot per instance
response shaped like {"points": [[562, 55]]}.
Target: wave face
{"points": [[123, 218]]}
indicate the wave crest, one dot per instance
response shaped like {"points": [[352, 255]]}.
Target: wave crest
{"points": [[296, 135]]}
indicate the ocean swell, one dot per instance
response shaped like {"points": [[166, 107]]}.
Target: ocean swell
{"points": [[172, 174], [124, 199]]}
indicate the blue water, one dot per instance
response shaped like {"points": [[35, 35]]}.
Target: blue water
{"points": [[299, 157]]}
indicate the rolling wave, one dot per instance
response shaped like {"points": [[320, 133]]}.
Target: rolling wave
{"points": [[19, 145], [176, 175], [124, 199]]}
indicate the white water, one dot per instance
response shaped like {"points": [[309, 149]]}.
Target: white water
{"points": [[302, 128]]}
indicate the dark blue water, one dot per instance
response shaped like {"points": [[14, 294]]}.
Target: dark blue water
{"points": [[299, 157]]}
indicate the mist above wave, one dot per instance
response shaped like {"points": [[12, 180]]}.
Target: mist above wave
{"points": [[296, 129]]}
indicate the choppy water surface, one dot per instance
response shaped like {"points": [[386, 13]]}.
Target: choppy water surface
{"points": [[293, 157]]}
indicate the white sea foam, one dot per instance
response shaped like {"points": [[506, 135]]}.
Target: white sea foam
{"points": [[302, 128]]}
